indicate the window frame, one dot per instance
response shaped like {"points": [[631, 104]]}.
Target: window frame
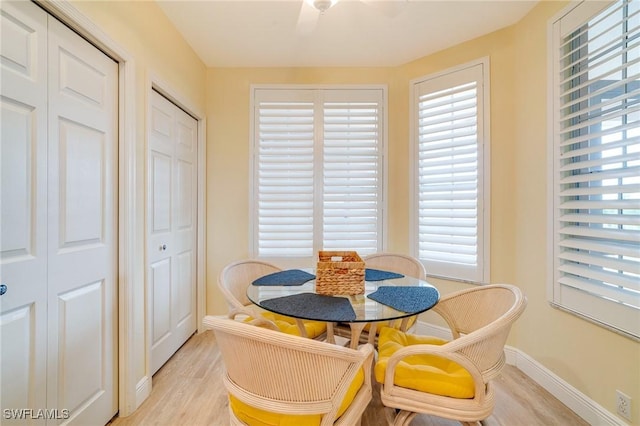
{"points": [[305, 261], [577, 302], [482, 273]]}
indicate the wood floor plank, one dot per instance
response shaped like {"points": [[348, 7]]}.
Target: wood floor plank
{"points": [[188, 391]]}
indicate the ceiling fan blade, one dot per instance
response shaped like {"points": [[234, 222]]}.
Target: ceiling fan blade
{"points": [[389, 8], [308, 18]]}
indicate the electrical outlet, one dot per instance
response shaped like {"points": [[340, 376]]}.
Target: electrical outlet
{"points": [[623, 405]]}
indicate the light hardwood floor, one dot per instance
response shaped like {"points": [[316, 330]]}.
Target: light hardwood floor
{"points": [[188, 391]]}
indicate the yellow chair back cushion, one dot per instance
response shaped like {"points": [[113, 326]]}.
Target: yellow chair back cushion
{"points": [[426, 373], [256, 417]]}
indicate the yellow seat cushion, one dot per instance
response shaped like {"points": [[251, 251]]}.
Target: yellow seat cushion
{"points": [[256, 417], [426, 373], [289, 325]]}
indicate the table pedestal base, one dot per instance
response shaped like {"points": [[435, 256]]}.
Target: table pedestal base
{"points": [[356, 332]]}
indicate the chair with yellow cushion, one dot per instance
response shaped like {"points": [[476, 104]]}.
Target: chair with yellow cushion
{"points": [[450, 379], [233, 282], [392, 262], [277, 379]]}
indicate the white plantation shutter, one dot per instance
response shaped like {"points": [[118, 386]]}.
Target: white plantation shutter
{"points": [[317, 171], [596, 150], [285, 177], [450, 179], [352, 176]]}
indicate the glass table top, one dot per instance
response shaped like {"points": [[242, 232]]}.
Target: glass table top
{"points": [[365, 308]]}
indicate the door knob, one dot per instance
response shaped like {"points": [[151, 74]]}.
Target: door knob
{"points": [[163, 247], [3, 289]]}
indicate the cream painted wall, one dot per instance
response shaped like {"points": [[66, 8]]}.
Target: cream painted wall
{"points": [[498, 46], [158, 50], [593, 360], [228, 150]]}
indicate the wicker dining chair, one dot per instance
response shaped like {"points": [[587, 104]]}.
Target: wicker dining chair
{"points": [[450, 379], [233, 282], [392, 262], [276, 378]]}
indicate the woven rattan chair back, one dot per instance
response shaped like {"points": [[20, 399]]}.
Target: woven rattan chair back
{"points": [[288, 374], [480, 320], [237, 276], [399, 263], [485, 315]]}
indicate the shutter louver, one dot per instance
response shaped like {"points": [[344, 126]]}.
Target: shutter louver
{"points": [[317, 170], [285, 179], [449, 174], [597, 164], [351, 184]]}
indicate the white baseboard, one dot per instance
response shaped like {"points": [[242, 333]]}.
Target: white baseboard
{"points": [[592, 412]]}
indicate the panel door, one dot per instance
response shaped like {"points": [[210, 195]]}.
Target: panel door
{"points": [[82, 228], [23, 207], [58, 230], [172, 223]]}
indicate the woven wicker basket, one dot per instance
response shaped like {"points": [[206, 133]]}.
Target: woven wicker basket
{"points": [[339, 272]]}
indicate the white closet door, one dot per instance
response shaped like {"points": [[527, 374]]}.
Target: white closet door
{"points": [[171, 238], [58, 318], [23, 205], [82, 231]]}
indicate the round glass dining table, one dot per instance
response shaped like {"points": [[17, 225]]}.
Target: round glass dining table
{"points": [[366, 310]]}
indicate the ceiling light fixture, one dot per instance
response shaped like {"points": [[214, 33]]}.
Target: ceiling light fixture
{"points": [[322, 5]]}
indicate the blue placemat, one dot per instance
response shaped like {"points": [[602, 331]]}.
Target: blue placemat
{"points": [[288, 277], [378, 275], [314, 306], [406, 299]]}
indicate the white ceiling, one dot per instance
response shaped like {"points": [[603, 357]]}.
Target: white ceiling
{"points": [[352, 33]]}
